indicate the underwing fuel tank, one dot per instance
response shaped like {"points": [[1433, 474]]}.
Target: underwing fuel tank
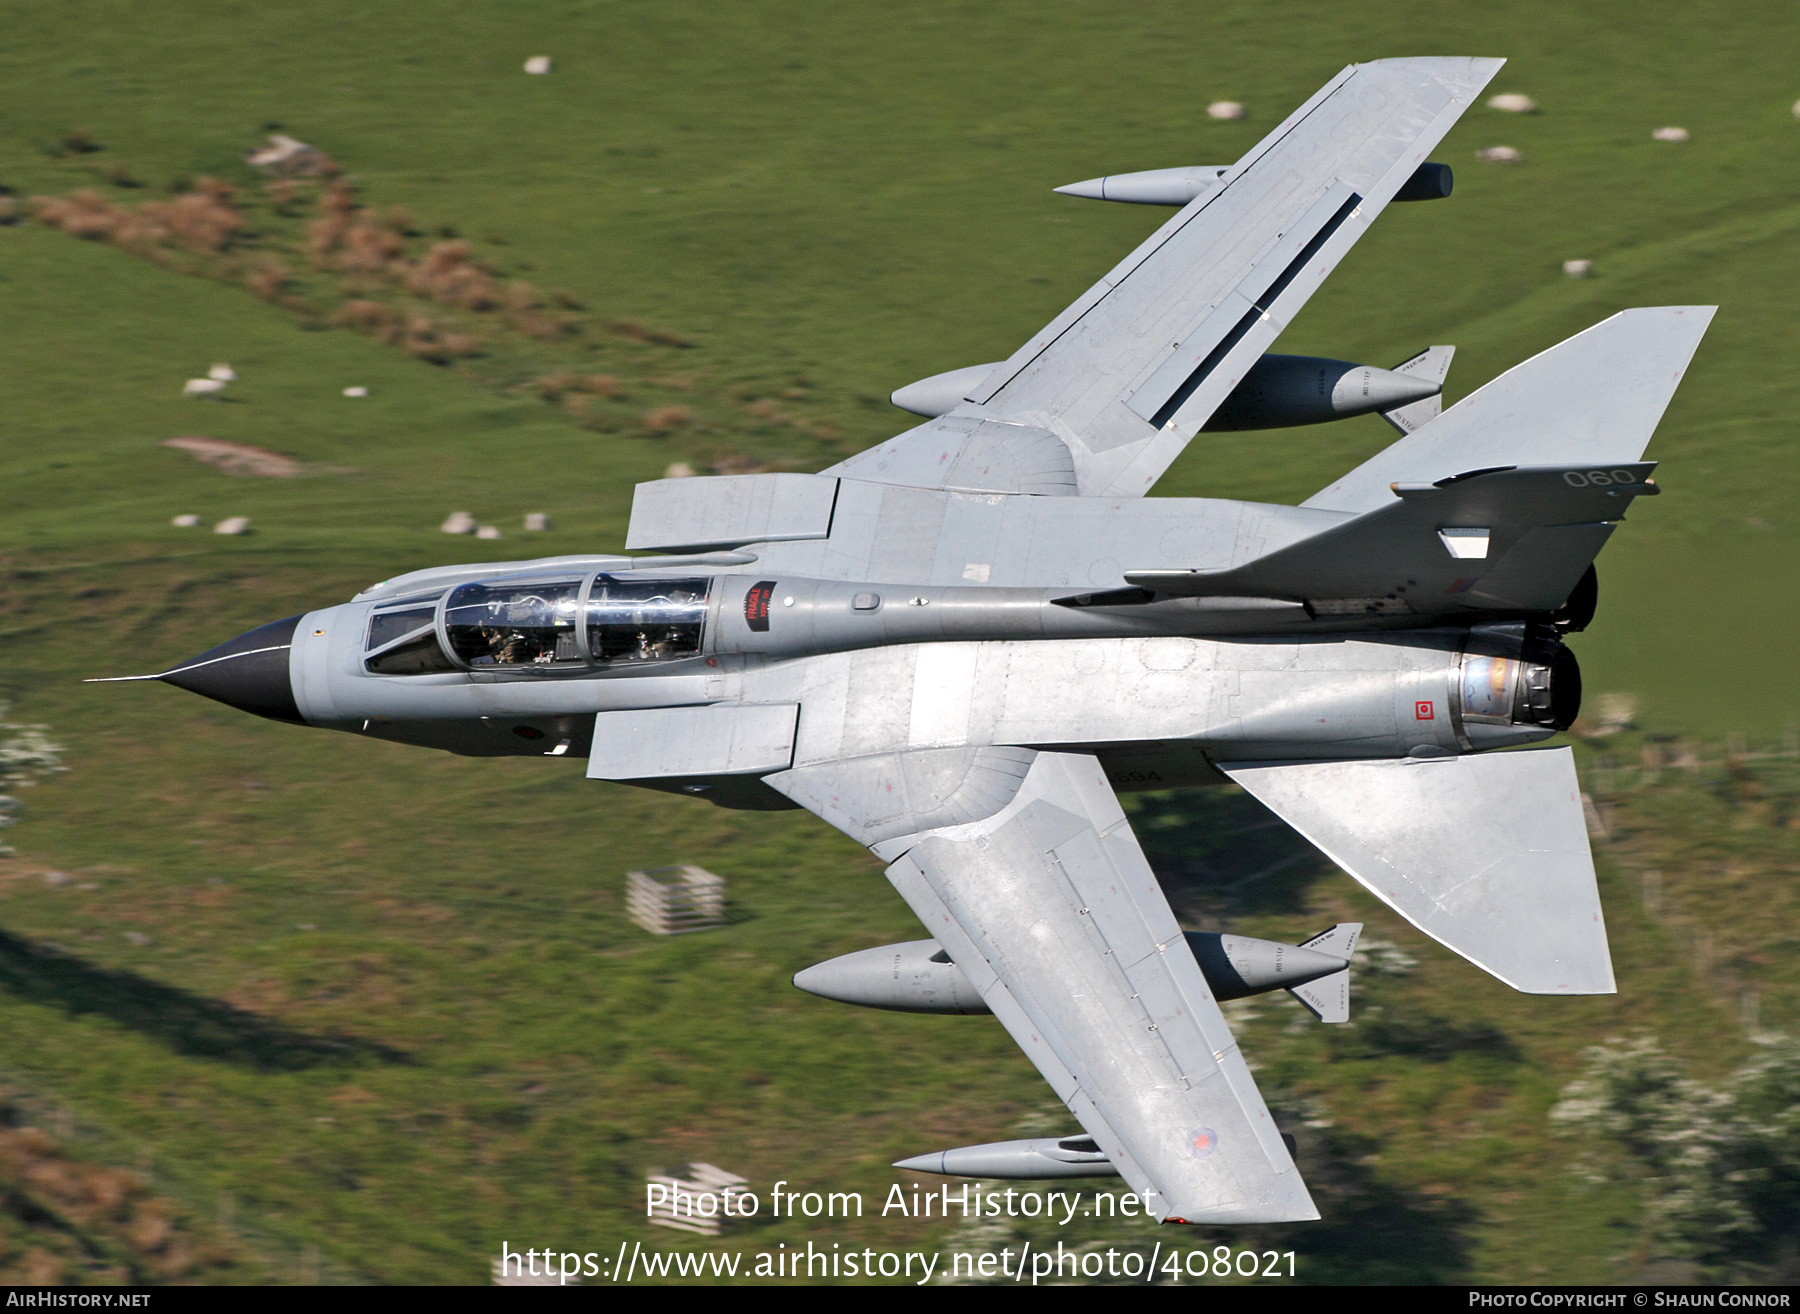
{"points": [[1278, 391], [915, 977], [1429, 182], [1069, 1156], [1284, 391], [919, 977]]}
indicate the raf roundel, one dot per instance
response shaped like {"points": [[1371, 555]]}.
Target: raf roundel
{"points": [[1202, 1141]]}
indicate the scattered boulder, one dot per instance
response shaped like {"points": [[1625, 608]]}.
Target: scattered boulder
{"points": [[223, 373], [458, 522], [1499, 155], [1513, 103], [679, 470], [356, 390], [1577, 268], [203, 387], [1225, 109], [488, 531], [536, 522], [186, 522], [1611, 713], [1670, 134], [233, 525], [284, 154], [538, 64]]}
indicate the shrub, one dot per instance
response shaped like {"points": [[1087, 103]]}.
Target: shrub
{"points": [[663, 419], [202, 220], [83, 213], [370, 317], [1719, 1164], [267, 280]]}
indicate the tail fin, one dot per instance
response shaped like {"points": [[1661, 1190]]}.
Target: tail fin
{"points": [[1593, 400], [1328, 998], [1433, 363], [1507, 540]]}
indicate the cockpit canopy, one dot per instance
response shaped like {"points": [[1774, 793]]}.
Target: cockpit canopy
{"points": [[540, 625]]}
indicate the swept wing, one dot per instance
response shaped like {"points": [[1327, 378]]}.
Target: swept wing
{"points": [[1104, 398], [1022, 865]]}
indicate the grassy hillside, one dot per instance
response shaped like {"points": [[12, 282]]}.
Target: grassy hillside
{"points": [[365, 1012]]}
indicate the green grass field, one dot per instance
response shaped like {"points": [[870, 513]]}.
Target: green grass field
{"points": [[361, 1012]]}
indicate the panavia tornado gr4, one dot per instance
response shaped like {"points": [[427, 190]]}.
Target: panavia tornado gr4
{"points": [[957, 645]]}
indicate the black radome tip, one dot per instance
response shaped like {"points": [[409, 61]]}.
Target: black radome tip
{"points": [[249, 672]]}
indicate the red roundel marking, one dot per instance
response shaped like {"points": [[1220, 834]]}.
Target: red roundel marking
{"points": [[1424, 711]]}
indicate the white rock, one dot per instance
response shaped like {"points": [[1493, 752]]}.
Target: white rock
{"points": [[203, 387], [233, 525], [1578, 268], [281, 150], [1797, 109], [1513, 103], [1670, 134], [458, 522], [1225, 109], [223, 373], [356, 391], [488, 531], [538, 64], [1499, 155], [536, 522], [186, 522], [679, 470]]}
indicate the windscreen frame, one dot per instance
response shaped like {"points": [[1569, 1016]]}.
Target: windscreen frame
{"points": [[372, 654]]}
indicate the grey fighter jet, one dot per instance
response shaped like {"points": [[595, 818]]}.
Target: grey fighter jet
{"points": [[957, 645]]}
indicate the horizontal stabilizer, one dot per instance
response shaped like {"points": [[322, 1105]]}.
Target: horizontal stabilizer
{"points": [[1490, 540], [1434, 364], [1593, 400], [1488, 854], [1328, 998]]}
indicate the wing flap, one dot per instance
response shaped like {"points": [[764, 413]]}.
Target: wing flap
{"points": [[1221, 328], [1486, 854]]}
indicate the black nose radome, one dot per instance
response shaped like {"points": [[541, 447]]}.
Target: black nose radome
{"points": [[249, 672]]}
